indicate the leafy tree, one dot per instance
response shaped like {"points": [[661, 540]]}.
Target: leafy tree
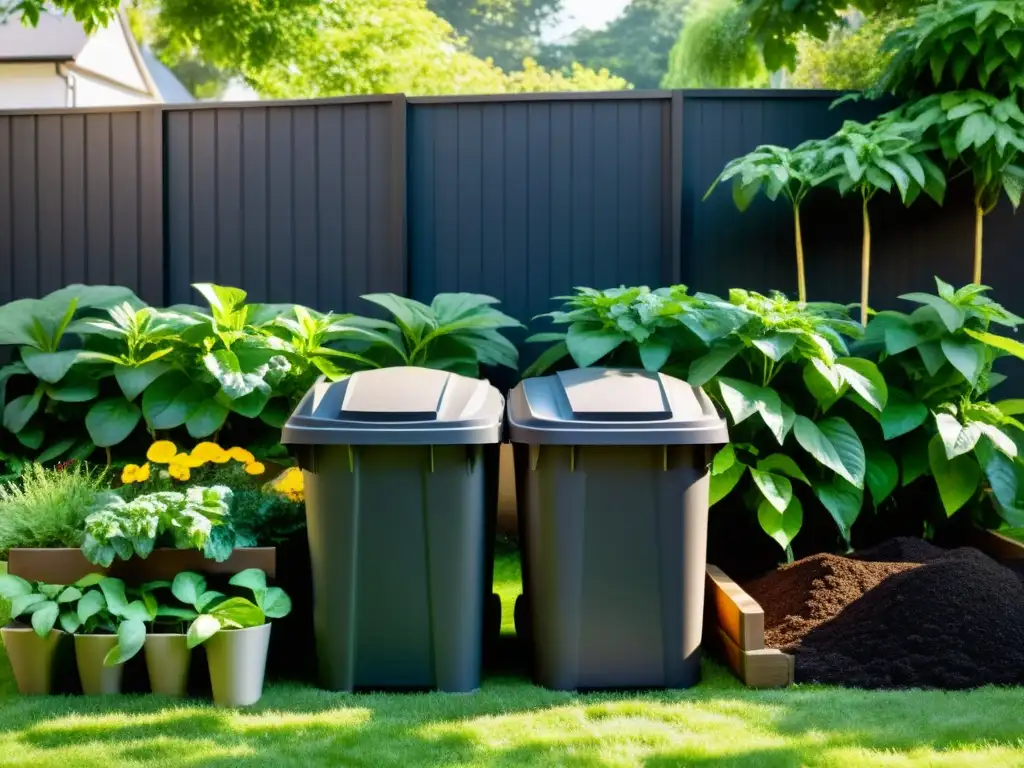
{"points": [[985, 135], [635, 45], [506, 31], [976, 44], [865, 159], [848, 59], [714, 49], [94, 14], [776, 171]]}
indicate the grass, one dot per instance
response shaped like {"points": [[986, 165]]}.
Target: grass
{"points": [[512, 723]]}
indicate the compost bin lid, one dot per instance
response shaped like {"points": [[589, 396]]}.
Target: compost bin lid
{"points": [[606, 406], [397, 406]]}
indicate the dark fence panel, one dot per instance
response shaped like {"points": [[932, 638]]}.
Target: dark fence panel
{"points": [[292, 201], [525, 198], [80, 201], [723, 248]]}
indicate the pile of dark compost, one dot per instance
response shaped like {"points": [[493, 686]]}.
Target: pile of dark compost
{"points": [[905, 614]]}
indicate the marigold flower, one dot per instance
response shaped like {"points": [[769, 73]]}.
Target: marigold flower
{"points": [[207, 451], [187, 460], [142, 473], [162, 452], [179, 471], [255, 468], [241, 455], [129, 473]]}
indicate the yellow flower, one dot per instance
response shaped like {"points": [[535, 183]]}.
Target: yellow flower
{"points": [[186, 460], [207, 451], [241, 455], [161, 452], [179, 471], [142, 473], [255, 468], [290, 484], [130, 473]]}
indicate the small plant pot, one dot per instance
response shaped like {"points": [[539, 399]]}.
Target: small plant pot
{"points": [[97, 679], [31, 658], [168, 659], [238, 661]]}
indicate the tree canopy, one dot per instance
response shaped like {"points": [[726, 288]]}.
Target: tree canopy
{"points": [[714, 49]]}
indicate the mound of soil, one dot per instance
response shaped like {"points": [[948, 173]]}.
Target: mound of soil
{"points": [[903, 615]]}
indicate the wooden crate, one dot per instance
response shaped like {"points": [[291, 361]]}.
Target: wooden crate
{"points": [[734, 627]]}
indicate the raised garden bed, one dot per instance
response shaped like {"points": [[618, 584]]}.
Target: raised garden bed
{"points": [[67, 565]]}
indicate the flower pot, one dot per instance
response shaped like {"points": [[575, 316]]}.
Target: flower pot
{"points": [[31, 658], [97, 679], [238, 661], [168, 659]]}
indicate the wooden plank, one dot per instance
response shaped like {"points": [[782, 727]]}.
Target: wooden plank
{"points": [[996, 545], [737, 613], [766, 668]]}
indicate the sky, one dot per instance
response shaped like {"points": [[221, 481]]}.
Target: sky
{"points": [[585, 13]]}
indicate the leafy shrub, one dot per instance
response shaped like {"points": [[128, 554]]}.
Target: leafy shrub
{"points": [[265, 518], [48, 507], [194, 519], [43, 604]]}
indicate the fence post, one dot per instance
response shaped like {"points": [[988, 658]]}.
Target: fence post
{"points": [[672, 197], [152, 254], [399, 250]]}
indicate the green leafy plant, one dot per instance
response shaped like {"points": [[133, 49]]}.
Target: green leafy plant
{"points": [[939, 362], [865, 159], [457, 332], [951, 45], [633, 328], [264, 518], [217, 611], [107, 608], [47, 507], [194, 519], [44, 604], [775, 171], [984, 135]]}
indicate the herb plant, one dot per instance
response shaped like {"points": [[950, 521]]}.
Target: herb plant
{"points": [[47, 507], [217, 611], [194, 519], [44, 604]]}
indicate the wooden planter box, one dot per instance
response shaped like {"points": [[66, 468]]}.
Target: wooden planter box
{"points": [[996, 546], [65, 565], [734, 627]]}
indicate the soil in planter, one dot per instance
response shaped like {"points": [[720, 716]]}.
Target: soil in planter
{"points": [[904, 614]]}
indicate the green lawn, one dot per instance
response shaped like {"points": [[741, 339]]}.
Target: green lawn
{"points": [[512, 723]]}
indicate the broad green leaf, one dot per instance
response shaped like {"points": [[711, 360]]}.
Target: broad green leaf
{"points": [[44, 617], [914, 459], [250, 578], [89, 580], [824, 382], [208, 599], [778, 490], [882, 475], [206, 419], [69, 595], [957, 438], [202, 629], [131, 636], [902, 414], [225, 367], [951, 315], [865, 379], [92, 602], [654, 354], [744, 399], [49, 366], [56, 450], [966, 357], [1011, 346], [169, 401], [69, 621], [110, 422], [188, 586], [238, 612], [549, 357], [775, 346], [74, 388], [588, 345], [113, 593], [724, 459], [721, 485], [957, 479], [222, 300], [12, 586], [1005, 477], [843, 501], [275, 604], [784, 527], [706, 367], [18, 412], [781, 463], [932, 356], [415, 319], [133, 381], [999, 438], [23, 604], [835, 444]]}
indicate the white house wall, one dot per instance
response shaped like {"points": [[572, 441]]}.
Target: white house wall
{"points": [[95, 92], [24, 86]]}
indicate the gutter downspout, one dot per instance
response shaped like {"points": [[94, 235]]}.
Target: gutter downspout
{"points": [[70, 86]]}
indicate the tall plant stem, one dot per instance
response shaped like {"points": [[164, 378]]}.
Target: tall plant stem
{"points": [[865, 265], [801, 285], [979, 223]]}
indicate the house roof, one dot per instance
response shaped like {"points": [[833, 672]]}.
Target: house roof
{"points": [[56, 38], [170, 87]]}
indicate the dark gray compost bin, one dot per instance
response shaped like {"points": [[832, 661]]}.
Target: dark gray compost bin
{"points": [[400, 469], [612, 489]]}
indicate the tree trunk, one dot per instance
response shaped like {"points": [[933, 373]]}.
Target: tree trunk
{"points": [[801, 285], [979, 220], [865, 266]]}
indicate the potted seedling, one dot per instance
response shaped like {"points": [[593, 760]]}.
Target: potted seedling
{"points": [[234, 631], [31, 647], [110, 630], [168, 655]]}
